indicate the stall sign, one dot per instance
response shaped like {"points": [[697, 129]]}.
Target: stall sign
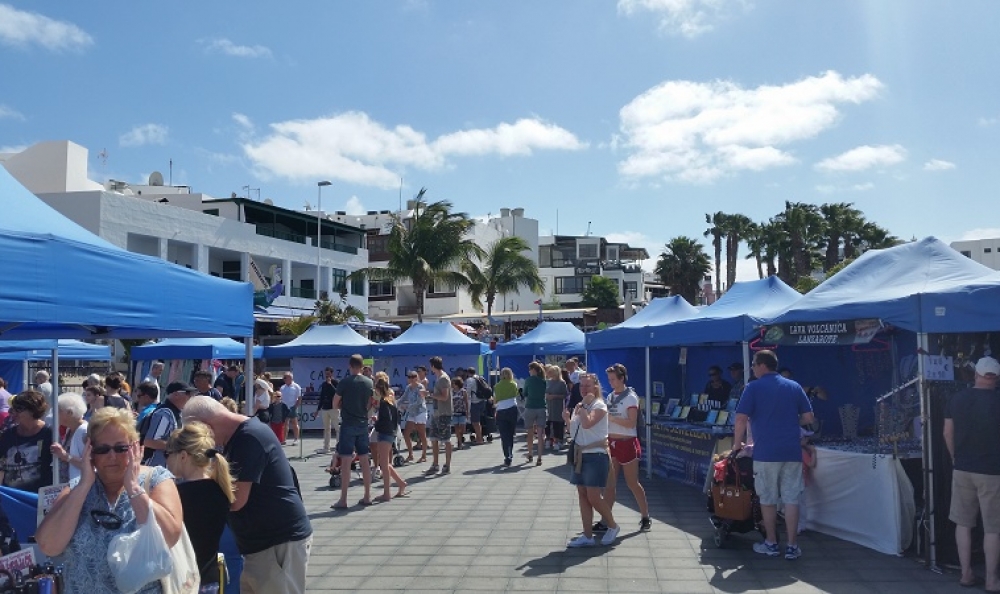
{"points": [[20, 562], [823, 333], [938, 368], [682, 454], [47, 497]]}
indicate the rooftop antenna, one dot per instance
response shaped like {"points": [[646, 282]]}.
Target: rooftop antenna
{"points": [[557, 221], [171, 172], [588, 228], [401, 193]]}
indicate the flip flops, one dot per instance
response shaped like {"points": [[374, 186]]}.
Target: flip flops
{"points": [[338, 506], [380, 499], [402, 494], [364, 503]]}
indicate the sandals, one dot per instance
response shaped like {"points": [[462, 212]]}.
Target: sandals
{"points": [[539, 461]]}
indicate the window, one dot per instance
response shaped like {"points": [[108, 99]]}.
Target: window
{"points": [[339, 281], [232, 270], [442, 289], [211, 211], [966, 253], [633, 288], [545, 256], [587, 251], [382, 288], [358, 288], [612, 253], [571, 284], [987, 250]]}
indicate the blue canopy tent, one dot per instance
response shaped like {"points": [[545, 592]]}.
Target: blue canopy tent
{"points": [[548, 338], [323, 341], [15, 355], [193, 348], [50, 259], [424, 340], [923, 287], [626, 342]]}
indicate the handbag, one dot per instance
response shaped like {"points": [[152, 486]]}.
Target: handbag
{"points": [[571, 449], [137, 558], [729, 498], [186, 576]]}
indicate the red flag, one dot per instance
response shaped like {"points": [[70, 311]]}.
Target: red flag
{"points": [[539, 302]]}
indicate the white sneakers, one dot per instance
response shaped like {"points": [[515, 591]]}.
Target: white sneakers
{"points": [[585, 541]]}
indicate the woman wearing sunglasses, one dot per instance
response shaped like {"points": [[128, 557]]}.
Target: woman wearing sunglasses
{"points": [[113, 496]]}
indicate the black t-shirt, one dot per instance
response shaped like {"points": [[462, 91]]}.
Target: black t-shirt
{"points": [[26, 460], [720, 393], [274, 513], [205, 510], [388, 418], [355, 393], [225, 385], [976, 415], [575, 397], [326, 393], [213, 393]]}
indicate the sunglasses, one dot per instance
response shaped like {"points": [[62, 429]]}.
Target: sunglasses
{"points": [[104, 448], [106, 519]]}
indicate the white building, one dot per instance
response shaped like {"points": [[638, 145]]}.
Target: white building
{"points": [[567, 264], [398, 302], [234, 238], [984, 251]]}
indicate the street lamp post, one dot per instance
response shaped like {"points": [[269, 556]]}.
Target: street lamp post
{"points": [[319, 230]]}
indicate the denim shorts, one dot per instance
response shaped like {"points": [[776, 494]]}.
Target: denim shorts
{"points": [[387, 438], [459, 421], [353, 440], [593, 471]]}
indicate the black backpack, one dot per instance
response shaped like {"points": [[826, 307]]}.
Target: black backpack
{"points": [[483, 389]]}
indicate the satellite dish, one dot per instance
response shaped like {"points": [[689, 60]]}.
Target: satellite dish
{"points": [[156, 178], [268, 202]]}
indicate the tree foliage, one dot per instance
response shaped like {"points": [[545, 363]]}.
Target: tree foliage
{"points": [[601, 292], [504, 269], [682, 266], [325, 313]]}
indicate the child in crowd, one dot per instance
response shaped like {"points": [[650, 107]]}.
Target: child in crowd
{"points": [[386, 425], [460, 412], [279, 412]]}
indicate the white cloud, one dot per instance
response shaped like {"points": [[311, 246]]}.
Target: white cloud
{"points": [[938, 165], [980, 233], [11, 149], [144, 134], [864, 157], [224, 46], [354, 148], [689, 18], [354, 206], [697, 132], [985, 122], [20, 28], [10, 113], [830, 189], [242, 120]]}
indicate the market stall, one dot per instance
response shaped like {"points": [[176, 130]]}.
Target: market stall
{"points": [[311, 353], [549, 342], [17, 357], [420, 342]]}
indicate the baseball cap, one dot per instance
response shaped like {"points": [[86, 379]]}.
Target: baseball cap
{"points": [[181, 387], [988, 365]]}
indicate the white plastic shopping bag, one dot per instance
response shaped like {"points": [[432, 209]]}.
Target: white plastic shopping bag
{"points": [[137, 558]]}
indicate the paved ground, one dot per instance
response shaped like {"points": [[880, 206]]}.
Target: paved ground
{"points": [[482, 528]]}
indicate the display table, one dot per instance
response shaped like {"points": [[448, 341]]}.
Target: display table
{"points": [[683, 452], [850, 500]]}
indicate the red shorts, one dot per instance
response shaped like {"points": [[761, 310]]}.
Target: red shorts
{"points": [[625, 450]]}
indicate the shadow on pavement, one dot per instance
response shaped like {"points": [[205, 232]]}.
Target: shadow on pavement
{"points": [[556, 562]]}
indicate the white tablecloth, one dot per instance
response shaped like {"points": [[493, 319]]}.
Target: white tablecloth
{"points": [[850, 500]]}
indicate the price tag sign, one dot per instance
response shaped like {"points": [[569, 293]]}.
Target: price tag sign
{"points": [[938, 368]]}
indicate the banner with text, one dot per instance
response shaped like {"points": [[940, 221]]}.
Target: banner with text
{"points": [[823, 333], [682, 453]]}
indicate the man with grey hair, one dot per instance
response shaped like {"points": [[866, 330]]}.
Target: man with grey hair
{"points": [[155, 371], [43, 383], [268, 518]]}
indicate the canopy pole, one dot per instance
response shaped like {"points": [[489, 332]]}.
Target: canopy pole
{"points": [[927, 451], [248, 376], [54, 404], [649, 428], [746, 363], [24, 375]]}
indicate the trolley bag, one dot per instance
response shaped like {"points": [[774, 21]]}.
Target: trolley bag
{"points": [[731, 499]]}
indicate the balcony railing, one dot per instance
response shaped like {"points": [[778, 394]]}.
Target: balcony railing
{"points": [[339, 247], [303, 293], [296, 238]]}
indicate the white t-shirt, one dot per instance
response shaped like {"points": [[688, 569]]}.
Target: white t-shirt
{"points": [[598, 432], [574, 376], [76, 449], [618, 407], [471, 385], [290, 394]]}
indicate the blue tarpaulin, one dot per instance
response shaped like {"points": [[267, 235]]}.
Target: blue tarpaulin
{"points": [[65, 282], [323, 341], [41, 350], [548, 338], [429, 339], [634, 331], [922, 286], [193, 348]]}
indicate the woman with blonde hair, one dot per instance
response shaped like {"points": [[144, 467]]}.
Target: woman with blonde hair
{"points": [[114, 495], [206, 491], [386, 425], [588, 425], [505, 397]]}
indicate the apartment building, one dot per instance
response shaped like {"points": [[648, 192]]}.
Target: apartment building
{"points": [[234, 238], [984, 251], [567, 263]]}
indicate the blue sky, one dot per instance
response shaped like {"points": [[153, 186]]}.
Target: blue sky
{"points": [[635, 117]]}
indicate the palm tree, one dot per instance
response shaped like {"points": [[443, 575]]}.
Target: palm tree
{"points": [[804, 228], [504, 269], [329, 313], [682, 266], [737, 228], [841, 220], [428, 248], [755, 245], [716, 232]]}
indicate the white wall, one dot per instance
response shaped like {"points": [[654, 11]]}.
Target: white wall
{"points": [[977, 251], [53, 166]]}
